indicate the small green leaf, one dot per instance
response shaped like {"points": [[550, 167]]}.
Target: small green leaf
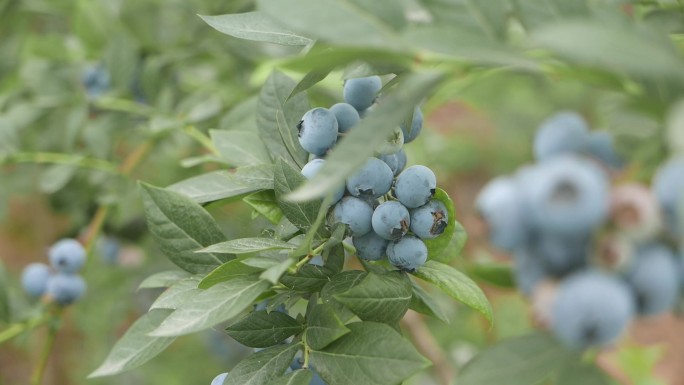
{"points": [[437, 246], [263, 366], [265, 203], [423, 303], [518, 361], [163, 279], [581, 373], [298, 377], [180, 227], [341, 283], [218, 185], [492, 273], [371, 354], [254, 26], [179, 292], [273, 273], [379, 297], [309, 80], [135, 347], [261, 329], [323, 327], [247, 245], [240, 148], [309, 278], [226, 272], [304, 214], [210, 307], [457, 285]]}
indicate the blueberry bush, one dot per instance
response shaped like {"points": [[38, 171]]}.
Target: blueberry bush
{"points": [[295, 163]]}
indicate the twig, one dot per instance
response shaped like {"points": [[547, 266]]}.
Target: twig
{"points": [[427, 345]]}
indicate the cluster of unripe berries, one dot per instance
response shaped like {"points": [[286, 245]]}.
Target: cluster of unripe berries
{"points": [[389, 210], [592, 255], [60, 281]]}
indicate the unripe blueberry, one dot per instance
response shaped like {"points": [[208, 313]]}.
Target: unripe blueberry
{"points": [[317, 130], [416, 126], [668, 187], [430, 220], [396, 161], [346, 116], [393, 143], [370, 247], [600, 146], [355, 213], [415, 186], [361, 92], [562, 133], [373, 179], [65, 289], [67, 255], [409, 253], [654, 279], [566, 195], [501, 206], [591, 309], [220, 379], [34, 279], [391, 220], [311, 169]]}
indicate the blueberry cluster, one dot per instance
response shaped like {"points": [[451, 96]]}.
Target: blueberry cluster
{"points": [[389, 210], [60, 281], [591, 253]]}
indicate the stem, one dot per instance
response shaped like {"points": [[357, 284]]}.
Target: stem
{"points": [[39, 371], [350, 248], [308, 257], [201, 138], [305, 365], [59, 158], [426, 343], [20, 327]]}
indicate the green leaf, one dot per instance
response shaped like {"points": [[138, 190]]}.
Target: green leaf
{"points": [[265, 203], [303, 215], [218, 185], [582, 373], [261, 329], [298, 377], [226, 272], [240, 148], [309, 278], [536, 13], [254, 26], [5, 314], [163, 279], [55, 177], [210, 307], [135, 347], [277, 119], [341, 283], [457, 285], [273, 273], [371, 354], [352, 151], [379, 297], [179, 292], [180, 227], [342, 22], [522, 360], [437, 246], [323, 327], [309, 80], [423, 303], [263, 366], [247, 245], [493, 273], [487, 19]]}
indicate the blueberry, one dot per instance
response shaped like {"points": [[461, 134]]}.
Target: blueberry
{"points": [[416, 126], [65, 288], [430, 220], [668, 186], [355, 213], [317, 260], [395, 161], [67, 255], [654, 279], [297, 362], [415, 186], [263, 305], [346, 115], [562, 133], [317, 130], [109, 248], [310, 169], [409, 253], [528, 271], [560, 254], [591, 309], [220, 379], [96, 81], [316, 380], [361, 92], [370, 247], [391, 220], [373, 179], [600, 145], [566, 195], [364, 113], [34, 279], [392, 144], [500, 205]]}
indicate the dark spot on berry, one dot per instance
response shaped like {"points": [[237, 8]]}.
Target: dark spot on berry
{"points": [[433, 191], [397, 233], [565, 193], [589, 334], [300, 125]]}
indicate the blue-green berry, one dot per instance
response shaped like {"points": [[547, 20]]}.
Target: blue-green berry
{"points": [[34, 279], [654, 279], [355, 213], [561, 134], [361, 92], [408, 253], [391, 220], [311, 169], [65, 289], [373, 179], [370, 247], [410, 133], [415, 186], [317, 130], [347, 116], [220, 379], [67, 255], [430, 220], [395, 161]]}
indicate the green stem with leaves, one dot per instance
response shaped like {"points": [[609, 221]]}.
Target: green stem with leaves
{"points": [[53, 327], [18, 328]]}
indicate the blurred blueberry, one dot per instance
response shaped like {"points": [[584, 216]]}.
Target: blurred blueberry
{"points": [[95, 80], [654, 278], [563, 133]]}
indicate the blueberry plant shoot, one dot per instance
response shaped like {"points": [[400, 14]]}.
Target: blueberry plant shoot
{"points": [[279, 192]]}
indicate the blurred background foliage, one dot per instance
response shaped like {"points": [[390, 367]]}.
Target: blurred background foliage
{"points": [[166, 78]]}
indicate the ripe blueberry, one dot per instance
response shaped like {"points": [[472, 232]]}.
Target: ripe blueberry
{"points": [[96, 81], [668, 186], [391, 220], [34, 279], [317, 130], [220, 379], [410, 133], [65, 288], [562, 133], [370, 247], [600, 146], [373, 179], [528, 271], [415, 186], [346, 116], [310, 169], [430, 220], [396, 161], [361, 92], [501, 206], [654, 279], [67, 255], [560, 254], [355, 213], [409, 253]]}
